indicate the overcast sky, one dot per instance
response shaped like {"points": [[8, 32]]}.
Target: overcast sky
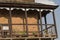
{"points": [[50, 2]]}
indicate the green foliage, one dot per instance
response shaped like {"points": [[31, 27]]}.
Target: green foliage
{"points": [[22, 32], [34, 33]]}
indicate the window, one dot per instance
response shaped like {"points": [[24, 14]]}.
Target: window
{"points": [[5, 28]]}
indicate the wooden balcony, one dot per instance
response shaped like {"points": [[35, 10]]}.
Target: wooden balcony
{"points": [[19, 24]]}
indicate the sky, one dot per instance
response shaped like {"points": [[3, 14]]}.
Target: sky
{"points": [[57, 16]]}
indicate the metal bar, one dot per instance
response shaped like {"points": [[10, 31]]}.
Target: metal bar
{"points": [[54, 23], [10, 22], [41, 21], [26, 21]]}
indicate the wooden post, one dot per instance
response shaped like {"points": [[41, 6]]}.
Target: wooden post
{"points": [[45, 23], [10, 22], [54, 23], [38, 25], [52, 39], [39, 38], [23, 25], [41, 21], [26, 21]]}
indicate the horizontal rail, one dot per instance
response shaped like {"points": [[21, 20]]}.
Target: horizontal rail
{"points": [[27, 24], [48, 27], [27, 38]]}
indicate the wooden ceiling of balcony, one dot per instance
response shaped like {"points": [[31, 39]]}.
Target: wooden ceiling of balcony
{"points": [[4, 11]]}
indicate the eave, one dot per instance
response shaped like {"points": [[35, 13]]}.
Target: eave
{"points": [[28, 5]]}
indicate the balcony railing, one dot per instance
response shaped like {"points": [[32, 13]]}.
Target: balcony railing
{"points": [[49, 32]]}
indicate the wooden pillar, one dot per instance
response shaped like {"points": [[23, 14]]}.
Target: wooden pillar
{"points": [[26, 21], [45, 23], [39, 38], [52, 39], [23, 25], [38, 24], [10, 22], [54, 22], [41, 21]]}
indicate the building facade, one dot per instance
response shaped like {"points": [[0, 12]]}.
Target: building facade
{"points": [[22, 20]]}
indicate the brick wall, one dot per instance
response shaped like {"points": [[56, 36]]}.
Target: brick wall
{"points": [[19, 18]]}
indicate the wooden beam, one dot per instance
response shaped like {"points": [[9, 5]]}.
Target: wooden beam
{"points": [[38, 24], [26, 21], [28, 24], [54, 23], [10, 22], [45, 23], [23, 25], [28, 5], [48, 28], [40, 21]]}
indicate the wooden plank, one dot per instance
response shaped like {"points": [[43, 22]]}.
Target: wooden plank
{"points": [[28, 5], [28, 24]]}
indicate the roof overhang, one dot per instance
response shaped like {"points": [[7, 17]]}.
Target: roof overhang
{"points": [[28, 5]]}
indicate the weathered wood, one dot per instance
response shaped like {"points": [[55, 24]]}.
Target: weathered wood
{"points": [[38, 25], [41, 22], [45, 19], [15, 1], [28, 5], [26, 21], [54, 23], [10, 22]]}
